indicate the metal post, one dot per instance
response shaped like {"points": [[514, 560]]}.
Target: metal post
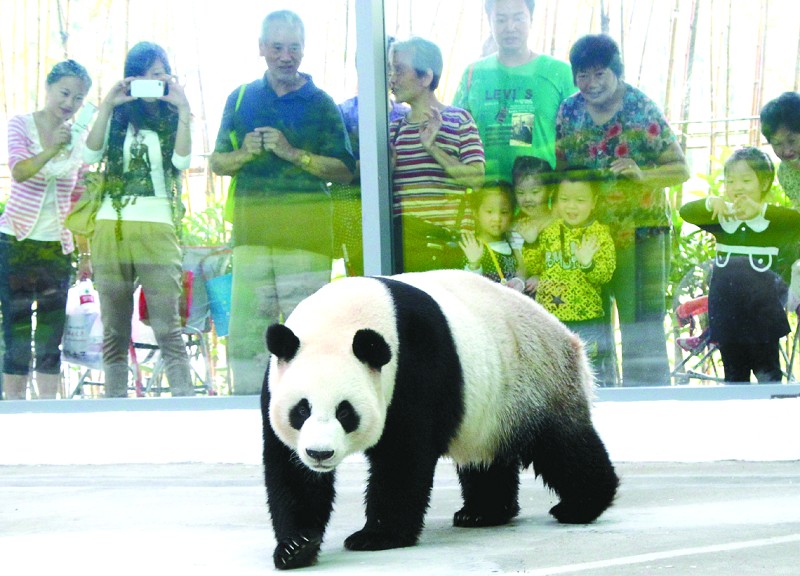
{"points": [[376, 189]]}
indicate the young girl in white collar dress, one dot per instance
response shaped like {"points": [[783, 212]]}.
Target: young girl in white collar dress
{"points": [[756, 246]]}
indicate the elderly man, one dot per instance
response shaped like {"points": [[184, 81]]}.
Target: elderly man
{"points": [[514, 87], [283, 139]]}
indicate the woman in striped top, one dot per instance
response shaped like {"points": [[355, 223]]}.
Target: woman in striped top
{"points": [[46, 162], [437, 151]]}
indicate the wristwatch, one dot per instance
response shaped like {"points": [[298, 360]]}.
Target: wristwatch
{"points": [[305, 159]]}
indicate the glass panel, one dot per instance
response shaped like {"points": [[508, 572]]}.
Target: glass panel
{"points": [[285, 141], [600, 167], [693, 85]]}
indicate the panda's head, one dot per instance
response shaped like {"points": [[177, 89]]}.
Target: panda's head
{"points": [[326, 397]]}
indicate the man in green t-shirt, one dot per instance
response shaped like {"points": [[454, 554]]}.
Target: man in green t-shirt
{"points": [[514, 95]]}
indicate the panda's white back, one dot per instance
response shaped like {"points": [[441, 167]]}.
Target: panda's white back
{"points": [[516, 358]]}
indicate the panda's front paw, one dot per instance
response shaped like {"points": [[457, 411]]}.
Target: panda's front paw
{"points": [[296, 551], [465, 518], [378, 540]]}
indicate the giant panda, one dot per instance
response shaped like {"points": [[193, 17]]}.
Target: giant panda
{"points": [[408, 369]]}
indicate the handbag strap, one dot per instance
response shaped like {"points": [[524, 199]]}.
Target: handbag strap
{"points": [[232, 133]]}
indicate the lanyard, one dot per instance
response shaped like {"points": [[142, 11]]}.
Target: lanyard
{"points": [[496, 263]]}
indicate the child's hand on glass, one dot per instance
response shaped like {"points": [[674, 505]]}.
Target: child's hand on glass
{"points": [[473, 249], [585, 251]]}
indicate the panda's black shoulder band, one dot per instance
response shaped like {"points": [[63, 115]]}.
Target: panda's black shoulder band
{"points": [[370, 347], [282, 342]]}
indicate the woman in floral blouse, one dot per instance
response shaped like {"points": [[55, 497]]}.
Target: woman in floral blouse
{"points": [[613, 127], [780, 125]]}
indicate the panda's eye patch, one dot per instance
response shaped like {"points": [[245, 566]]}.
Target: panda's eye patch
{"points": [[347, 416], [299, 414]]}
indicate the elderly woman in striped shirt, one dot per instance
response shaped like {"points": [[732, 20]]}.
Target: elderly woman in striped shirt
{"points": [[45, 156], [437, 150]]}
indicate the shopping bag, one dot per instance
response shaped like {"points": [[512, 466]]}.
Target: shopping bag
{"points": [[219, 301], [82, 341]]}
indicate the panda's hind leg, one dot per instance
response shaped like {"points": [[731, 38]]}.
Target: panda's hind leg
{"points": [[490, 495], [572, 460]]}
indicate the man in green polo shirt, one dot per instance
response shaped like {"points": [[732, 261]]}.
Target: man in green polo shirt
{"points": [[289, 142], [514, 94]]}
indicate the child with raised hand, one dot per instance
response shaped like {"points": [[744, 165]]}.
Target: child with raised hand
{"points": [[532, 179], [573, 258], [493, 250], [756, 246]]}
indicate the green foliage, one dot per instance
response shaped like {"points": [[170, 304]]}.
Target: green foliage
{"points": [[688, 251], [777, 196], [206, 228]]}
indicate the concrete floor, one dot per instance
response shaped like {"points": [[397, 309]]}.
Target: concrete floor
{"points": [[727, 518], [175, 487]]}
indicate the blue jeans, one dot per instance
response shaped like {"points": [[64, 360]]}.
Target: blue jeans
{"points": [[599, 346], [33, 271]]}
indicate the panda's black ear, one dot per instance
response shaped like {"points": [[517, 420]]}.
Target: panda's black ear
{"points": [[371, 348], [282, 342]]}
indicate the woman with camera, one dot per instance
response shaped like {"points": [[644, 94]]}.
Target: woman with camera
{"points": [[142, 132], [45, 156]]}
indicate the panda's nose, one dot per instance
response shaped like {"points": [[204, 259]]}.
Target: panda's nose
{"points": [[319, 455]]}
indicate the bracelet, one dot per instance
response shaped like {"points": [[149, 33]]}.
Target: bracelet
{"points": [[83, 255]]}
